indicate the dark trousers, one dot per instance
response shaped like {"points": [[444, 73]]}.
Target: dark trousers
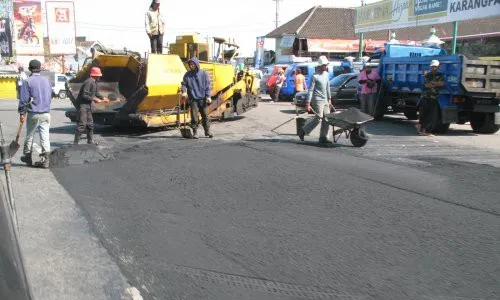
{"points": [[428, 113], [198, 106], [85, 121], [156, 43], [277, 91]]}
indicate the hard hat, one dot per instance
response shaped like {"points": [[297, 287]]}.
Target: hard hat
{"points": [[322, 60], [95, 72], [435, 63]]}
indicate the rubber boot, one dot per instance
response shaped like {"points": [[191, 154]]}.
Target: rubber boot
{"points": [[208, 133], [90, 138], [44, 161], [195, 133], [26, 158], [77, 137]]}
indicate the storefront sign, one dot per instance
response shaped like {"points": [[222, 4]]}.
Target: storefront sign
{"points": [[393, 14], [61, 27]]}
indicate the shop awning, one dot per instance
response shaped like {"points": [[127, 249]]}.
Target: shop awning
{"points": [[343, 45]]}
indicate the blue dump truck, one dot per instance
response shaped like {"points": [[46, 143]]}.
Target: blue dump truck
{"points": [[471, 92]]}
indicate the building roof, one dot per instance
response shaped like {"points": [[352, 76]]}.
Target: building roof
{"points": [[338, 23]]}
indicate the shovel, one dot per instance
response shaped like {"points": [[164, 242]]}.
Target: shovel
{"points": [[185, 131], [14, 145]]}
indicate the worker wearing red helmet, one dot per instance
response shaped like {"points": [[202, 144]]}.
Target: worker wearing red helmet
{"points": [[89, 94]]}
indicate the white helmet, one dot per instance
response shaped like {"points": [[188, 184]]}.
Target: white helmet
{"points": [[322, 60], [435, 63]]}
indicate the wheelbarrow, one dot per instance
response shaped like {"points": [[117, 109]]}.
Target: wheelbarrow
{"points": [[349, 122]]}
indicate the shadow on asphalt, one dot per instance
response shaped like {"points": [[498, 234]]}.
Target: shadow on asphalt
{"points": [[298, 142]]}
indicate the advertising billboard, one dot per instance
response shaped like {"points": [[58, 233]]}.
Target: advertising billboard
{"points": [[61, 27], [28, 27]]}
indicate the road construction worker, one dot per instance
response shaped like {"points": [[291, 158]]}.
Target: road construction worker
{"points": [[155, 27], [196, 88], [429, 103], [34, 108], [318, 99], [88, 94], [369, 80]]}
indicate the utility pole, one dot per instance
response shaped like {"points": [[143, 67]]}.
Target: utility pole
{"points": [[361, 37], [277, 12]]}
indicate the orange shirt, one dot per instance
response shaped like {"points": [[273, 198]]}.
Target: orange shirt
{"points": [[300, 83]]}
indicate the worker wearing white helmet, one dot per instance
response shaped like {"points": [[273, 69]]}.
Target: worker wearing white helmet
{"points": [[429, 103], [318, 99]]}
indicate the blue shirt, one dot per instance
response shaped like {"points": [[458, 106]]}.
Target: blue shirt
{"points": [[38, 90]]}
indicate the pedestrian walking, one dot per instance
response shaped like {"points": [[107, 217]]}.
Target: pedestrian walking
{"points": [[155, 27], [21, 77], [369, 80], [88, 94], [196, 88], [318, 99], [300, 81], [34, 108], [279, 83], [429, 103]]}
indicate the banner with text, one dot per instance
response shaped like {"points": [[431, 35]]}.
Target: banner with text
{"points": [[5, 38], [28, 27], [61, 27], [259, 52], [394, 14]]}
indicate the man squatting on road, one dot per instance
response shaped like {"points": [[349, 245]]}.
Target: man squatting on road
{"points": [[88, 94], [319, 99], [196, 87], [34, 108]]}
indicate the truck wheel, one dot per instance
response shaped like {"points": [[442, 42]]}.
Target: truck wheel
{"points": [[62, 95], [410, 114], [358, 137], [484, 123]]}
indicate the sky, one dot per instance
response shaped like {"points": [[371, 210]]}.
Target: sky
{"points": [[119, 23]]}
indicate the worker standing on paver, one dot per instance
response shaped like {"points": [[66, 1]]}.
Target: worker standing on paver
{"points": [[369, 80], [88, 94], [155, 27], [34, 108], [318, 99], [429, 103], [196, 88]]}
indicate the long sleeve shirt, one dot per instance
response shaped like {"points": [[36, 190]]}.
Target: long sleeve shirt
{"points": [[35, 95], [320, 88], [88, 91], [155, 24]]}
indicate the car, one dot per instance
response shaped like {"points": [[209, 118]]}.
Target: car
{"points": [[343, 89]]}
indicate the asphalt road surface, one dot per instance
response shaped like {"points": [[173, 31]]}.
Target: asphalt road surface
{"points": [[253, 214]]}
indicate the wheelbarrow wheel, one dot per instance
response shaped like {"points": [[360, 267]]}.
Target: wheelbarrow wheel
{"points": [[358, 137]]}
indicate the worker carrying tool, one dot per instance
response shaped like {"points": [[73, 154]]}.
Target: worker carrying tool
{"points": [[34, 108], [196, 89], [155, 27], [89, 94], [428, 104], [318, 100]]}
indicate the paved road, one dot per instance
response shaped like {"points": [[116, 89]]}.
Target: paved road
{"points": [[257, 215]]}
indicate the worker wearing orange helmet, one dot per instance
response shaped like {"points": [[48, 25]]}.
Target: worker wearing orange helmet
{"points": [[89, 94]]}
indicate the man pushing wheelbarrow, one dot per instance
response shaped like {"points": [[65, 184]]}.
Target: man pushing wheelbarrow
{"points": [[349, 122]]}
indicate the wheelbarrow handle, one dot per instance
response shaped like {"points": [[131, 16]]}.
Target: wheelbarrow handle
{"points": [[19, 130]]}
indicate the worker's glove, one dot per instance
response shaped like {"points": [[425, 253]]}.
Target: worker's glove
{"points": [[208, 100]]}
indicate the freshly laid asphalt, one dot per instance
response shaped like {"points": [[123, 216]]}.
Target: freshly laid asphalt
{"points": [[273, 219]]}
